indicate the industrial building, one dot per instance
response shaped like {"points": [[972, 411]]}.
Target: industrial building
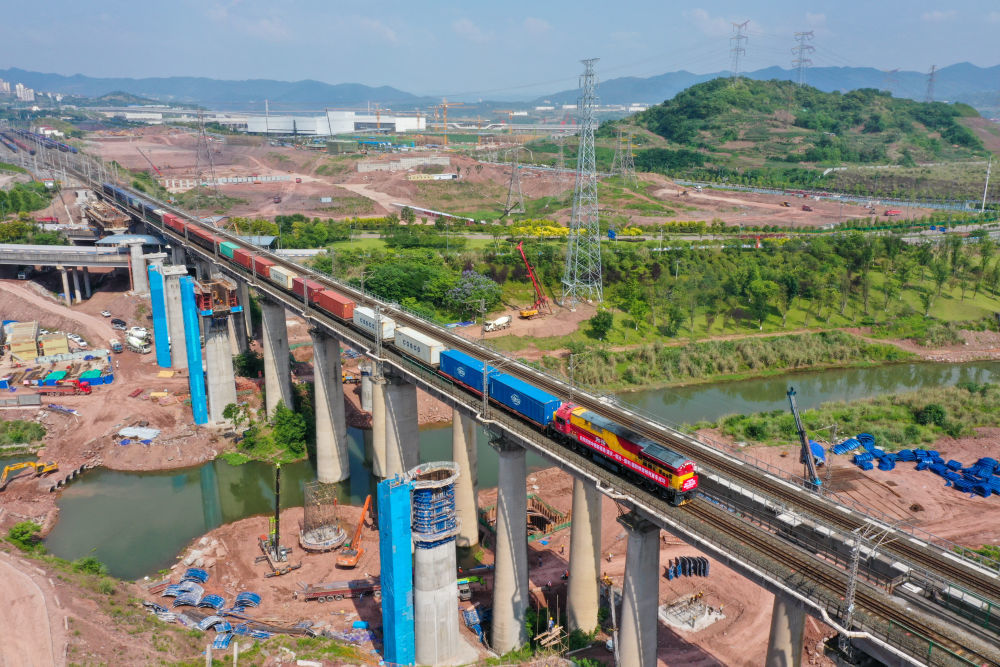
{"points": [[334, 122]]}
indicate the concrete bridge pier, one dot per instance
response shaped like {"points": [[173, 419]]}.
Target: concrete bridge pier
{"points": [[155, 259], [65, 281], [86, 282], [175, 315], [220, 379], [177, 256], [463, 452], [583, 595], [331, 428], [277, 372], [140, 283], [784, 645], [640, 598], [510, 581], [378, 427], [77, 294], [402, 434]]}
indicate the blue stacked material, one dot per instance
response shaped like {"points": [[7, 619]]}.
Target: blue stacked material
{"points": [[886, 463], [954, 465], [906, 455], [187, 599], [216, 602], [867, 440], [474, 621], [221, 642], [195, 574], [846, 446], [209, 621], [866, 465], [247, 599], [686, 566], [863, 457]]}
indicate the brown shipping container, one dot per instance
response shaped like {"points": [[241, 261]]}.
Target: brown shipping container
{"points": [[262, 266], [314, 288], [335, 304], [242, 257]]}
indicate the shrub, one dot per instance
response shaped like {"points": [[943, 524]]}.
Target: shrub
{"points": [[25, 536], [90, 565], [932, 413]]}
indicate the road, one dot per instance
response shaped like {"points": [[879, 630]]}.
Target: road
{"points": [[32, 627]]}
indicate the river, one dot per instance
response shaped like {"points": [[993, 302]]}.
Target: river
{"points": [[138, 522]]}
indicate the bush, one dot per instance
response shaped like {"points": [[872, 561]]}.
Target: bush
{"points": [[932, 413], [25, 536], [90, 565]]}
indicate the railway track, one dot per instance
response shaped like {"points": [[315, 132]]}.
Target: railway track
{"points": [[929, 558]]}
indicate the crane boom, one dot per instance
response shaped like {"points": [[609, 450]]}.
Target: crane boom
{"points": [[350, 556], [540, 298], [158, 172], [807, 454]]}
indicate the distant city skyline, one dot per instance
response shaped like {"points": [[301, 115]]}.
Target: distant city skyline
{"points": [[518, 49]]}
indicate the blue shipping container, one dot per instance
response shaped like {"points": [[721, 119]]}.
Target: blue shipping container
{"points": [[523, 398], [467, 370]]}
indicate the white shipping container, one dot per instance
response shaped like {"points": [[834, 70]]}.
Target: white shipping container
{"points": [[418, 345], [282, 277], [365, 318]]}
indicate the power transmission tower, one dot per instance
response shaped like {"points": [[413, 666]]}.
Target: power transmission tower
{"points": [[515, 197], [616, 162], [930, 84], [203, 141], [737, 47], [582, 279], [800, 51], [628, 162], [890, 80]]}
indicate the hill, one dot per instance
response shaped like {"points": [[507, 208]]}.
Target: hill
{"points": [[218, 94], [962, 82], [772, 123]]}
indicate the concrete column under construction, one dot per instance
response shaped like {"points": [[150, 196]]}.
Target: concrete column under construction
{"points": [[140, 283], [77, 295], [155, 259], [331, 428], [402, 433], [219, 376], [277, 373], [640, 594], [65, 281], [243, 298], [584, 556], [510, 581], [86, 282], [463, 452], [784, 645], [378, 427], [175, 315], [366, 369], [177, 257]]}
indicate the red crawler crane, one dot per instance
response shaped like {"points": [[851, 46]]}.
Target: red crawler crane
{"points": [[540, 298]]}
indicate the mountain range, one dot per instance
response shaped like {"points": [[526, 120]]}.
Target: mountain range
{"points": [[962, 82]]}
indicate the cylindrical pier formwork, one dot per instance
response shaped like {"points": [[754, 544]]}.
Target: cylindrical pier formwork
{"points": [[435, 592], [366, 386]]}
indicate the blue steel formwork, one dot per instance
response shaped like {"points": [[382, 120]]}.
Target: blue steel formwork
{"points": [[398, 636], [192, 332], [161, 335]]}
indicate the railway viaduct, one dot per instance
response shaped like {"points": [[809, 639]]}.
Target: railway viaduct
{"points": [[754, 521]]}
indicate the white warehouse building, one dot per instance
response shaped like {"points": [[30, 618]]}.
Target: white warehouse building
{"points": [[334, 122]]}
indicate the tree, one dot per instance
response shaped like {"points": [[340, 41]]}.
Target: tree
{"points": [[408, 215], [939, 270], [762, 293], [24, 535], [601, 324], [289, 429], [470, 291]]}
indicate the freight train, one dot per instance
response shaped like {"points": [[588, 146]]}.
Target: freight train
{"points": [[618, 447], [14, 144], [45, 142]]}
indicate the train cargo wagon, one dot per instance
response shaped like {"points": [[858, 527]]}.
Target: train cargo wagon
{"points": [[527, 400], [282, 276], [416, 344], [262, 266], [173, 222], [242, 257], [312, 286], [464, 369], [365, 318], [335, 304], [226, 249]]}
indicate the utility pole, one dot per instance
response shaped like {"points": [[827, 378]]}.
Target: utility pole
{"points": [[515, 197], [582, 278], [989, 166], [930, 84], [800, 51], [737, 48]]}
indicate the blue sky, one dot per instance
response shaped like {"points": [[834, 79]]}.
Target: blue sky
{"points": [[481, 49]]}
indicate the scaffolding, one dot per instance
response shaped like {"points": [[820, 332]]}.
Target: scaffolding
{"points": [[434, 518], [321, 530]]}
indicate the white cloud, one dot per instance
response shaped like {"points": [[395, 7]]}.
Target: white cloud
{"points": [[466, 29], [536, 26], [380, 29], [938, 15], [267, 28], [713, 26]]}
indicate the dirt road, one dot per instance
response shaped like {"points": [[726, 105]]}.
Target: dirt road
{"points": [[97, 329], [33, 626], [381, 198]]}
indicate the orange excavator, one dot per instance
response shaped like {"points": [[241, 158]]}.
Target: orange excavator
{"points": [[39, 468], [350, 556], [540, 298]]}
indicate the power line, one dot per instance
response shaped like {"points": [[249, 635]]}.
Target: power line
{"points": [[582, 279], [737, 47], [800, 50]]}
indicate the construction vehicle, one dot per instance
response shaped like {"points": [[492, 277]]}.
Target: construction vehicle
{"points": [[39, 469], [116, 345], [893, 212], [465, 587], [138, 345], [350, 556], [338, 590], [807, 207], [807, 454], [540, 298], [277, 199], [70, 388], [786, 204], [502, 322]]}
